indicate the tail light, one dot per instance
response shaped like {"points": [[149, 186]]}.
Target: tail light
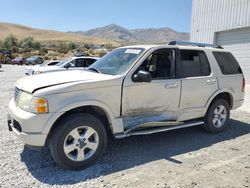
{"points": [[243, 84]]}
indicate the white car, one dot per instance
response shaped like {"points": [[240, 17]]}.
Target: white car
{"points": [[69, 64], [134, 90]]}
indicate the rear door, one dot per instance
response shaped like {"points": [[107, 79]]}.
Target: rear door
{"points": [[198, 83]]}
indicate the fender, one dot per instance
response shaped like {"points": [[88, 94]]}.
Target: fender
{"points": [[115, 123]]}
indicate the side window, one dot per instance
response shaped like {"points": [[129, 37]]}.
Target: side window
{"points": [[159, 64], [227, 63], [79, 62], [89, 62], [194, 63]]}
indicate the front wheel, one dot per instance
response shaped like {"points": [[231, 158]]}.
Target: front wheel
{"points": [[217, 116], [78, 141]]}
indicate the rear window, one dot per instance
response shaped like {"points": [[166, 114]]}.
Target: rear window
{"points": [[194, 63], [227, 63]]}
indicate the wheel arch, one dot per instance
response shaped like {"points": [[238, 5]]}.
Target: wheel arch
{"points": [[96, 111], [96, 108], [222, 94]]}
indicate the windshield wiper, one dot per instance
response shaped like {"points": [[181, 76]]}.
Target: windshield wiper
{"points": [[94, 69]]}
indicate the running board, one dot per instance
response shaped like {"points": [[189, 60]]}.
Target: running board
{"points": [[153, 124], [157, 129]]}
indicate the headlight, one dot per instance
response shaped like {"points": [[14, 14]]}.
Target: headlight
{"points": [[38, 72], [24, 101], [32, 104]]}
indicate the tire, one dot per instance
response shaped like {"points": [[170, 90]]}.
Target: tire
{"points": [[65, 134], [217, 116]]}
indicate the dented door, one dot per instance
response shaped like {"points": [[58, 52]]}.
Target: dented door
{"points": [[147, 102]]}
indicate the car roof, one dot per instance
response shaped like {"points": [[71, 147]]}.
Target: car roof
{"points": [[176, 46]]}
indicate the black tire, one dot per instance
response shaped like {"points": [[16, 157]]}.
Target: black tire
{"points": [[63, 128], [209, 125]]}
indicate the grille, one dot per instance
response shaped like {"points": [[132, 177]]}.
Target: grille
{"points": [[16, 94]]}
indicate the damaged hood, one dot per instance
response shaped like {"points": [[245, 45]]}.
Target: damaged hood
{"points": [[35, 82]]}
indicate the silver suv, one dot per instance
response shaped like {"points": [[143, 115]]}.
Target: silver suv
{"points": [[133, 90]]}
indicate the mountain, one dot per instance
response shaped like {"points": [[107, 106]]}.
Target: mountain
{"points": [[21, 32], [161, 35], [125, 36]]}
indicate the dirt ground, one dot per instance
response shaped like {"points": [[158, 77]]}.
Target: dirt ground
{"points": [[182, 158]]}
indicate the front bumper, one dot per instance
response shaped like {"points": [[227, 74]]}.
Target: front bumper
{"points": [[27, 126]]}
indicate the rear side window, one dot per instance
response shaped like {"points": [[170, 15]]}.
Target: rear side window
{"points": [[89, 62], [227, 63], [194, 63]]}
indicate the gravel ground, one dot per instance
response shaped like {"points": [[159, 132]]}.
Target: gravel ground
{"points": [[182, 158]]}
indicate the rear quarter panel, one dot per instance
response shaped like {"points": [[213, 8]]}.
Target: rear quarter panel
{"points": [[228, 83]]}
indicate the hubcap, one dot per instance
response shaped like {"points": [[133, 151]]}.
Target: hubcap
{"points": [[219, 116], [81, 143]]}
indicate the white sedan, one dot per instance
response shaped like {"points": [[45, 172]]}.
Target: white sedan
{"points": [[70, 64]]}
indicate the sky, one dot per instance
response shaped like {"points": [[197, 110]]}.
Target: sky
{"points": [[81, 15]]}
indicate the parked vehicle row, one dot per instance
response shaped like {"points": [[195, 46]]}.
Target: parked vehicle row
{"points": [[72, 63], [183, 85]]}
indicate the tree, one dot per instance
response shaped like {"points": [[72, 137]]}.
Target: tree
{"points": [[1, 45], [36, 45], [71, 46], [27, 43], [10, 43], [62, 48]]}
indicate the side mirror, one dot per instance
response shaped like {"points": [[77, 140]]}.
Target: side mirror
{"points": [[67, 66], [142, 76]]}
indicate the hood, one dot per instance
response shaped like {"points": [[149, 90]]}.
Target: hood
{"points": [[35, 82], [46, 68]]}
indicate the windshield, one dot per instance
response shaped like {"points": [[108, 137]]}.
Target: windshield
{"points": [[117, 61], [33, 57], [63, 62]]}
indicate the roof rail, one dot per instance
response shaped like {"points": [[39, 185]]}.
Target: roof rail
{"points": [[182, 43]]}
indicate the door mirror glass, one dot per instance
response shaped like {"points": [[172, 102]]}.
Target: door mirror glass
{"points": [[142, 76]]}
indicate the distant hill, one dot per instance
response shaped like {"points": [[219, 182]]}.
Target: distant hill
{"points": [[125, 36], [21, 32]]}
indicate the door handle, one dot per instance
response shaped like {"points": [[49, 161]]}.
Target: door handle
{"points": [[212, 81], [171, 85]]}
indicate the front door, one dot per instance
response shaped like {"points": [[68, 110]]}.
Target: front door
{"points": [[153, 101]]}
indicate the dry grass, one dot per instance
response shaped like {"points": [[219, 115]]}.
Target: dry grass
{"points": [[47, 35]]}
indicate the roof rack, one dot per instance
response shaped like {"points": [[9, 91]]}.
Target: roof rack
{"points": [[182, 43]]}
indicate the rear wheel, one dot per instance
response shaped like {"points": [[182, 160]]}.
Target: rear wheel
{"points": [[78, 141], [217, 116]]}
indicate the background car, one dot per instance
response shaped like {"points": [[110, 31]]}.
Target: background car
{"points": [[33, 60], [18, 61], [70, 64], [78, 54], [5, 56]]}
